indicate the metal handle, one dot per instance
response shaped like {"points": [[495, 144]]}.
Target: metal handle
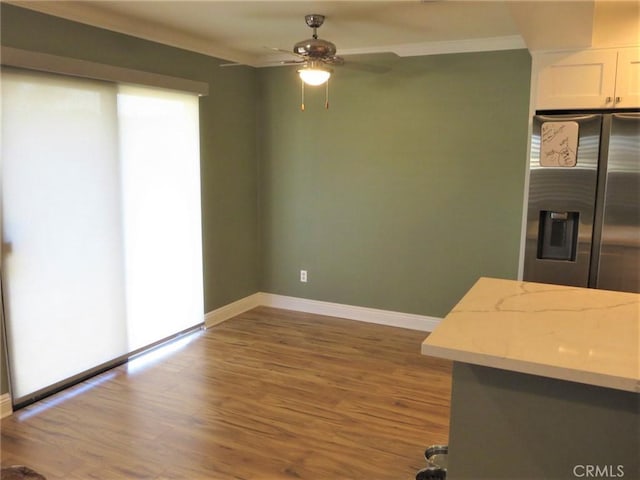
{"points": [[607, 100], [618, 99]]}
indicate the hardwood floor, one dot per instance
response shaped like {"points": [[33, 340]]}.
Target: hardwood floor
{"points": [[270, 394]]}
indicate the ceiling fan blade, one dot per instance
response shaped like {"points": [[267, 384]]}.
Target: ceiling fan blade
{"points": [[281, 50], [233, 65], [334, 60], [370, 62]]}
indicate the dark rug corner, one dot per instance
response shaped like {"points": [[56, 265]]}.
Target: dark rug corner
{"points": [[19, 472]]}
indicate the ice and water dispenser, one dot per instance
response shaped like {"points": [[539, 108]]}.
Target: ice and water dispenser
{"points": [[557, 235]]}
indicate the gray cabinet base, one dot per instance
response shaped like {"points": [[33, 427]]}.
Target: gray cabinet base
{"points": [[507, 425]]}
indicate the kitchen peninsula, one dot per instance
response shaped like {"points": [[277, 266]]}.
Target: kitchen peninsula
{"points": [[546, 382]]}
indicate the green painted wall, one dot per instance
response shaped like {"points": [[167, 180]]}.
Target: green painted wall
{"points": [[228, 142], [405, 191], [398, 197]]}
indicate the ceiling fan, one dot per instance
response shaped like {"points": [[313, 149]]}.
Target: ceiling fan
{"points": [[315, 54]]}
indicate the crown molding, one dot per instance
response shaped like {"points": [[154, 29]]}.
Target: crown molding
{"points": [[511, 42], [90, 15]]}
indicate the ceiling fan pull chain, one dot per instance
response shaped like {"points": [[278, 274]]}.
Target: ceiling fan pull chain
{"points": [[326, 96], [302, 104]]}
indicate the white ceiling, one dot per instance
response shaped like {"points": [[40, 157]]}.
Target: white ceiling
{"points": [[239, 31]]}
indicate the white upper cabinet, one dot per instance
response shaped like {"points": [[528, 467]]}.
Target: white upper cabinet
{"points": [[607, 78], [628, 78]]}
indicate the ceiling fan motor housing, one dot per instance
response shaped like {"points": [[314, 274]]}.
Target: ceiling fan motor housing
{"points": [[315, 48]]}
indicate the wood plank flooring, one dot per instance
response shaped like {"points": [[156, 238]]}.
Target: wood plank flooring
{"points": [[270, 394]]}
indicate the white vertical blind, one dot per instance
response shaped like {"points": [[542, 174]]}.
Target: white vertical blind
{"points": [[62, 234], [101, 222], [160, 155]]}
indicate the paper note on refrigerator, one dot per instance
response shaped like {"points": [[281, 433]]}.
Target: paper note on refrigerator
{"points": [[559, 144]]}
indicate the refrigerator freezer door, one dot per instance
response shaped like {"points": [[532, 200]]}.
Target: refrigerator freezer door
{"points": [[619, 262], [562, 186]]}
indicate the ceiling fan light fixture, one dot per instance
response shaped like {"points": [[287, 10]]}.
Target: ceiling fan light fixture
{"points": [[314, 75]]}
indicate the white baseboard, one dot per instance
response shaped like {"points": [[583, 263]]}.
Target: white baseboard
{"points": [[6, 407], [351, 312], [226, 312]]}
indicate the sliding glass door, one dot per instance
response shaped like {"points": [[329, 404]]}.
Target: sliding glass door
{"points": [[160, 158], [62, 247], [101, 251]]}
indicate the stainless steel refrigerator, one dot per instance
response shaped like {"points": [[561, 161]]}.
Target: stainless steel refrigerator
{"points": [[583, 218]]}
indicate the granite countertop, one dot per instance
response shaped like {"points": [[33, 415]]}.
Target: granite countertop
{"points": [[569, 333]]}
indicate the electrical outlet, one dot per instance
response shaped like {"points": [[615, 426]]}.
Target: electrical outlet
{"points": [[303, 276]]}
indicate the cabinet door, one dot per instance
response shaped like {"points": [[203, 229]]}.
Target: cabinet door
{"points": [[584, 79], [628, 78]]}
